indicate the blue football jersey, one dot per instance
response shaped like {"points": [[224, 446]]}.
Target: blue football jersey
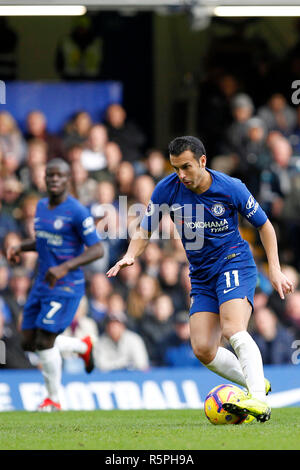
{"points": [[207, 223], [61, 233]]}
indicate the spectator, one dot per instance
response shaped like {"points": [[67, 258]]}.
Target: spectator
{"points": [[16, 293], [114, 157], [276, 179], [7, 224], [215, 97], [289, 218], [84, 186], [143, 189], [141, 296], [118, 348], [125, 133], [36, 155], [38, 184], [294, 137], [151, 259], [36, 124], [79, 55], [128, 279], [156, 164], [15, 357], [274, 302], [100, 289], [273, 339], [260, 299], [11, 197], [113, 233], [12, 142], [177, 349], [105, 193], [169, 281], [156, 327], [242, 110], [115, 304], [74, 153], [278, 115], [77, 130], [4, 277], [292, 312], [18, 288], [93, 156], [125, 177]]}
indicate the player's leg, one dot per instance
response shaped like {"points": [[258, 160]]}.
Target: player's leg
{"points": [[205, 339], [51, 365], [206, 333], [55, 316], [82, 347], [234, 318]]}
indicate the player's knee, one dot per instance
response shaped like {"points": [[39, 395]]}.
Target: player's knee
{"points": [[28, 345], [204, 352], [44, 340], [229, 330]]}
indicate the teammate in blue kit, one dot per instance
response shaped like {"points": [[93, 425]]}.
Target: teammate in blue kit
{"points": [[63, 227], [205, 205]]}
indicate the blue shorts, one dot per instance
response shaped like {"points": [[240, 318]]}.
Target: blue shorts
{"points": [[53, 314], [236, 282]]}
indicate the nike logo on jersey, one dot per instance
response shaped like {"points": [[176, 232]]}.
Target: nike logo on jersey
{"points": [[176, 208], [228, 290]]}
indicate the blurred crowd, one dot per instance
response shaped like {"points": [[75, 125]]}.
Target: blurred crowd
{"points": [[140, 318]]}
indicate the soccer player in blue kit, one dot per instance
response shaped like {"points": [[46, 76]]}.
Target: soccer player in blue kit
{"points": [[63, 227], [205, 204]]}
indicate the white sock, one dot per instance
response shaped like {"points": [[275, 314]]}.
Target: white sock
{"points": [[67, 344], [250, 359], [51, 363], [227, 365]]}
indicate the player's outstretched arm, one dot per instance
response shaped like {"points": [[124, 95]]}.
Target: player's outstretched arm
{"points": [[136, 247], [278, 280], [13, 252], [55, 273]]}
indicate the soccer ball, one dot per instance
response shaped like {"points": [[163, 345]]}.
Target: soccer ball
{"points": [[214, 401]]}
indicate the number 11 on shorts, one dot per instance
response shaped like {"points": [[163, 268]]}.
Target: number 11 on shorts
{"points": [[232, 275]]}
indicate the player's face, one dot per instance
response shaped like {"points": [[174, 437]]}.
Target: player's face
{"points": [[189, 170], [57, 180]]}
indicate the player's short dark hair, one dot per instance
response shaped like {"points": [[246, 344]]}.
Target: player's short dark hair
{"points": [[187, 142], [60, 162]]}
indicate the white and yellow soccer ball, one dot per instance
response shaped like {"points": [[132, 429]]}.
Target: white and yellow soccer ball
{"points": [[213, 405]]}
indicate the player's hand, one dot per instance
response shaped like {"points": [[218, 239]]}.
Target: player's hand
{"points": [[13, 254], [55, 273], [281, 283], [122, 263]]}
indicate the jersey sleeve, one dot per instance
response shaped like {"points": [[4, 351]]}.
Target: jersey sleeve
{"points": [[158, 205], [247, 205], [85, 226]]}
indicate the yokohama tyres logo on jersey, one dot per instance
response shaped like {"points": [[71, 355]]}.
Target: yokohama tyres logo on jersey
{"points": [[215, 226], [52, 239]]}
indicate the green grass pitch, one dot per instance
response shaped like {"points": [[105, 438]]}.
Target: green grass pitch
{"points": [[145, 430]]}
